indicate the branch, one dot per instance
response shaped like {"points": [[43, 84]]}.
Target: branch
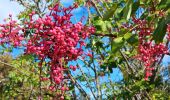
{"points": [[89, 14], [95, 6], [40, 82], [110, 81], [13, 67], [23, 4], [115, 36], [86, 63], [155, 72], [4, 80], [99, 96], [168, 54], [78, 86], [107, 35], [147, 95], [31, 92], [127, 62], [38, 8], [87, 82]]}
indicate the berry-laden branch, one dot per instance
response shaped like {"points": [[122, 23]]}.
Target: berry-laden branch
{"points": [[56, 38], [148, 51], [10, 33], [53, 37]]}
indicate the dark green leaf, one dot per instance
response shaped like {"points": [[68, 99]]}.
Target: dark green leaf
{"points": [[133, 39], [109, 13], [135, 7], [164, 4], [117, 43], [127, 36], [100, 25], [160, 31], [128, 9]]}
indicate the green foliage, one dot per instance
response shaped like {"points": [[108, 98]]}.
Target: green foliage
{"points": [[164, 5], [110, 12], [102, 26], [127, 9], [160, 31], [20, 79], [117, 44]]}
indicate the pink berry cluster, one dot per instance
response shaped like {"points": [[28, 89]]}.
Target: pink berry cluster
{"points": [[168, 32], [57, 39], [148, 51], [73, 67], [10, 33]]}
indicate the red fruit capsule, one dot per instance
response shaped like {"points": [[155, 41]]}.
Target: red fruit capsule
{"points": [[74, 68]]}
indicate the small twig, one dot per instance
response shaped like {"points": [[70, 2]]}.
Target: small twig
{"points": [[95, 6], [168, 54], [127, 62], [89, 14], [78, 86], [40, 81], [38, 8], [107, 35], [45, 7], [157, 65], [13, 67], [4, 80], [147, 95], [110, 81], [86, 63], [6, 64], [87, 82], [99, 96], [31, 93], [23, 3]]}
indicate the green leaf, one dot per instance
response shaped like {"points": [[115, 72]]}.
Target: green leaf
{"points": [[128, 9], [118, 13], [141, 2], [110, 62], [117, 43], [100, 25], [133, 39], [164, 4], [108, 24], [27, 57], [127, 36], [110, 12], [160, 31], [135, 7]]}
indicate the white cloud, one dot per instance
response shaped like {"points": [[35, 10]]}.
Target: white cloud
{"points": [[7, 7]]}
